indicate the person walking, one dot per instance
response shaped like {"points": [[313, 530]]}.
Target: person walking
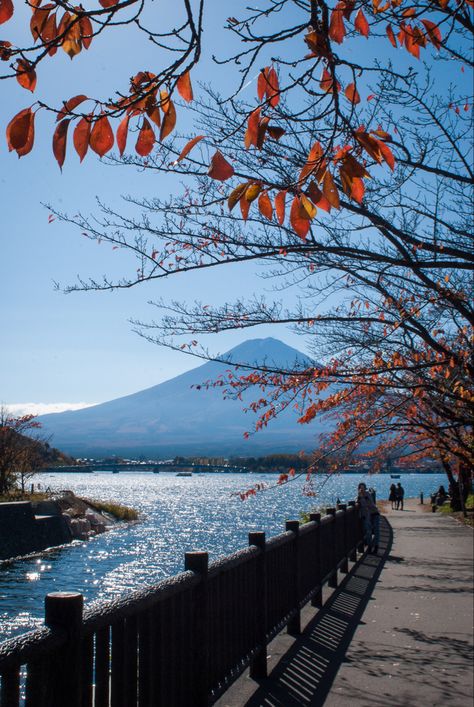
{"points": [[400, 496], [392, 496], [369, 513]]}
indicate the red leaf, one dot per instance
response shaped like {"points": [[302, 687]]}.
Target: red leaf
{"points": [[85, 26], [236, 195], [433, 33], [122, 132], [21, 132], [184, 87], [337, 30], [358, 189], [352, 94], [300, 225], [70, 105], [169, 119], [81, 137], [387, 154], [6, 10], [219, 168], [330, 190], [251, 134], [189, 146], [244, 207], [60, 140], [26, 75], [273, 88], [391, 36], [317, 197], [262, 84], [265, 205], [108, 3], [146, 139], [361, 23], [101, 138], [280, 206]]}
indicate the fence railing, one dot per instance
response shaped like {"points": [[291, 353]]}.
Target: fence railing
{"points": [[183, 641]]}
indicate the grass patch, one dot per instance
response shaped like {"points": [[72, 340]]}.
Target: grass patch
{"points": [[117, 510], [19, 496], [445, 509]]}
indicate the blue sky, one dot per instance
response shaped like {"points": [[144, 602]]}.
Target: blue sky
{"points": [[80, 348]]}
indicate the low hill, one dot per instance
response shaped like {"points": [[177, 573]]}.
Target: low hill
{"points": [[176, 418]]}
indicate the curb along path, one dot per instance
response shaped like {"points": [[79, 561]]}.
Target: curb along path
{"points": [[396, 633]]}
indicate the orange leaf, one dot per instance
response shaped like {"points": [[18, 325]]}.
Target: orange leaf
{"points": [[244, 207], [154, 115], [308, 207], [262, 129], [101, 138], [273, 88], [219, 168], [317, 197], [391, 35], [265, 205], [327, 83], [352, 94], [184, 87], [146, 139], [81, 137], [108, 3], [189, 146], [337, 30], [70, 105], [6, 10], [21, 132], [49, 33], [169, 120], [299, 224], [26, 75], [38, 20], [251, 134], [252, 191], [280, 206], [60, 140], [86, 31], [387, 154], [236, 195], [434, 33], [262, 83], [122, 132], [361, 23], [330, 190]]}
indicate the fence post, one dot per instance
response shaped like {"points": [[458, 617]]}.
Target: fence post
{"points": [[63, 610], [258, 666], [332, 582], [317, 598], [198, 562], [345, 562], [353, 549], [294, 624]]}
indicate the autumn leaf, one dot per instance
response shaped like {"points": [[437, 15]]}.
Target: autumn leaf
{"points": [[275, 132], [6, 10], [299, 224], [21, 132], [169, 119], [252, 191], [70, 105], [189, 146], [146, 139], [280, 206], [49, 33], [265, 205], [26, 75], [317, 197], [108, 3], [251, 134], [262, 84], [236, 195], [352, 94], [154, 115], [60, 140], [244, 207], [81, 137], [330, 190], [434, 33], [86, 31], [184, 87], [122, 132], [219, 168], [101, 138], [391, 35], [361, 24], [273, 88], [337, 30], [308, 207]]}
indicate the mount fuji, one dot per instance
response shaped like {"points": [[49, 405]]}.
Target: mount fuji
{"points": [[175, 418]]}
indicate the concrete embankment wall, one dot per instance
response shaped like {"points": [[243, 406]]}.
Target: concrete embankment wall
{"points": [[25, 528]]}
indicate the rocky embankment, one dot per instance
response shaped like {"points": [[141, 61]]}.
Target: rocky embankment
{"points": [[27, 527]]}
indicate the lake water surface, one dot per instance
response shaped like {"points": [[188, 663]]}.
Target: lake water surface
{"points": [[178, 514]]}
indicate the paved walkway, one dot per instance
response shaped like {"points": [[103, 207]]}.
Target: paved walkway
{"points": [[398, 632]]}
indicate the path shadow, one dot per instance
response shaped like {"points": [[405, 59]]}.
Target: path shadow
{"points": [[304, 675]]}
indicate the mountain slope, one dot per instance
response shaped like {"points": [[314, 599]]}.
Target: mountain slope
{"points": [[175, 418]]}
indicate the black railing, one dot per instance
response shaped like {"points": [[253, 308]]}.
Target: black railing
{"points": [[183, 641]]}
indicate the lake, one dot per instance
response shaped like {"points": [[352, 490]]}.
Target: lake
{"points": [[178, 514]]}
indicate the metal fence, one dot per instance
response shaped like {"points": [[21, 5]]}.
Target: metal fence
{"points": [[181, 642]]}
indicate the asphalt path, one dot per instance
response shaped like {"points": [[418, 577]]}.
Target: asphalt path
{"points": [[398, 631]]}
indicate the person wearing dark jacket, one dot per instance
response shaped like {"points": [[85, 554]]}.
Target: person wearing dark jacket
{"points": [[370, 516]]}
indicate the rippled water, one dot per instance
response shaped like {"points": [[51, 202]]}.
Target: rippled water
{"points": [[178, 514]]}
